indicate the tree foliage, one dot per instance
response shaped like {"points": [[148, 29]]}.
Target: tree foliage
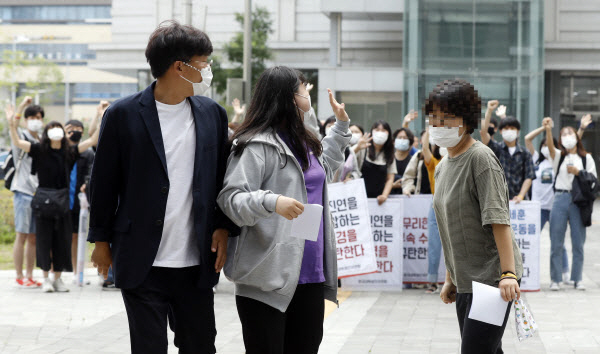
{"points": [[234, 50]]}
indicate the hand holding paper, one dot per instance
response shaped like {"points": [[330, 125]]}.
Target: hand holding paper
{"points": [[488, 305], [306, 225]]}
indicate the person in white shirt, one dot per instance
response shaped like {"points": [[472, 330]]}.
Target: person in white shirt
{"points": [[567, 163], [542, 187]]}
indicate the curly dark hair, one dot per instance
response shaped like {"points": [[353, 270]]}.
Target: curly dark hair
{"points": [[459, 98]]}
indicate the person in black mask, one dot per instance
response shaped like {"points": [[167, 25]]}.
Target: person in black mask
{"points": [[493, 127], [80, 174]]}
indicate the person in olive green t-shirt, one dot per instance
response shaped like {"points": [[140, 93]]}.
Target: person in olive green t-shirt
{"points": [[471, 208]]}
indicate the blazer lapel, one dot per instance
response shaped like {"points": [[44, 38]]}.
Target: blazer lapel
{"points": [[149, 115], [201, 130]]}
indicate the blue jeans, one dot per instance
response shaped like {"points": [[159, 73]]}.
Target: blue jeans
{"points": [[545, 219], [563, 211], [435, 247]]}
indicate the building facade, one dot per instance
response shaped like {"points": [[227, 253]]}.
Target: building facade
{"points": [[538, 57], [60, 32]]}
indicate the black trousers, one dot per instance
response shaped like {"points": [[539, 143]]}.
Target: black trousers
{"points": [[299, 330], [172, 293], [53, 244], [478, 337]]}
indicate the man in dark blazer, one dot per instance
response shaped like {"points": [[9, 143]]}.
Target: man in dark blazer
{"points": [[158, 169]]}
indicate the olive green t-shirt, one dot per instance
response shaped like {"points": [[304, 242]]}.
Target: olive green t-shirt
{"points": [[470, 195]]}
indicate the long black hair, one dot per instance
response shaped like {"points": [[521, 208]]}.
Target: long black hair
{"points": [[388, 147], [273, 106], [45, 140]]}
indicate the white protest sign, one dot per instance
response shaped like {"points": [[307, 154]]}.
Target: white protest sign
{"points": [[387, 235], [525, 219], [350, 215], [416, 236]]}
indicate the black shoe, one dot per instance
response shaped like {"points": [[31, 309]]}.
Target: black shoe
{"points": [[109, 286]]}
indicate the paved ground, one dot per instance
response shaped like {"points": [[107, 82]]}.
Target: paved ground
{"points": [[88, 320]]}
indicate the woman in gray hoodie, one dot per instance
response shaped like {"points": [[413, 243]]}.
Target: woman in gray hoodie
{"points": [[276, 166]]}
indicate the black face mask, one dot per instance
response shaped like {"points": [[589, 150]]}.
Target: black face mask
{"points": [[491, 131], [75, 136]]}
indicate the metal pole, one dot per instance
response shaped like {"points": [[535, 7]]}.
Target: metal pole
{"points": [[247, 51], [13, 89], [188, 12], [67, 88]]}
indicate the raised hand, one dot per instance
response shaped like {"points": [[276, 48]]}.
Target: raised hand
{"points": [[339, 109], [364, 142], [237, 108], [412, 115], [493, 104], [501, 111], [586, 121], [309, 86]]}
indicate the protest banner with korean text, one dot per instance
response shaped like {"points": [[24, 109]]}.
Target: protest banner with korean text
{"points": [[525, 219], [416, 240], [350, 215], [386, 227]]}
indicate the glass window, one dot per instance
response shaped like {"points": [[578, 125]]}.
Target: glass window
{"points": [[496, 45], [53, 13]]}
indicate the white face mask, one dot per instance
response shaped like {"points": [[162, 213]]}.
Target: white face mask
{"points": [[443, 151], [380, 138], [510, 135], [569, 141], [355, 138], [56, 134], [201, 87], [305, 114], [546, 152], [401, 144], [35, 125], [445, 137]]}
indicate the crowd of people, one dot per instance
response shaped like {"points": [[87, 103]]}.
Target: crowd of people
{"points": [[178, 193], [52, 165]]}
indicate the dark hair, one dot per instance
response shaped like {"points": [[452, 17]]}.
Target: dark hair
{"points": [[509, 122], [494, 121], [388, 147], [301, 76], [172, 42], [75, 123], [45, 140], [359, 128], [459, 98], [33, 110], [541, 156], [272, 106], [409, 134], [580, 150], [324, 126]]}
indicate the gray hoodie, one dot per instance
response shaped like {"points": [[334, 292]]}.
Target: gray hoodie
{"points": [[264, 261]]}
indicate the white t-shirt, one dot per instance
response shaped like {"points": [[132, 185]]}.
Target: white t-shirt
{"points": [[178, 246], [511, 150], [564, 180], [541, 188]]}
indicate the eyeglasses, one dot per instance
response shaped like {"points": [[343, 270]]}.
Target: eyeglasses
{"points": [[203, 64]]}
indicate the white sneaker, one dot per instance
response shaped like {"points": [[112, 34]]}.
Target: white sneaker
{"points": [[554, 286], [47, 286], [567, 279], [579, 286], [59, 286]]}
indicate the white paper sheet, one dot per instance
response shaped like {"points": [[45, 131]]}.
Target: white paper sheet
{"points": [[488, 305], [306, 226]]}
